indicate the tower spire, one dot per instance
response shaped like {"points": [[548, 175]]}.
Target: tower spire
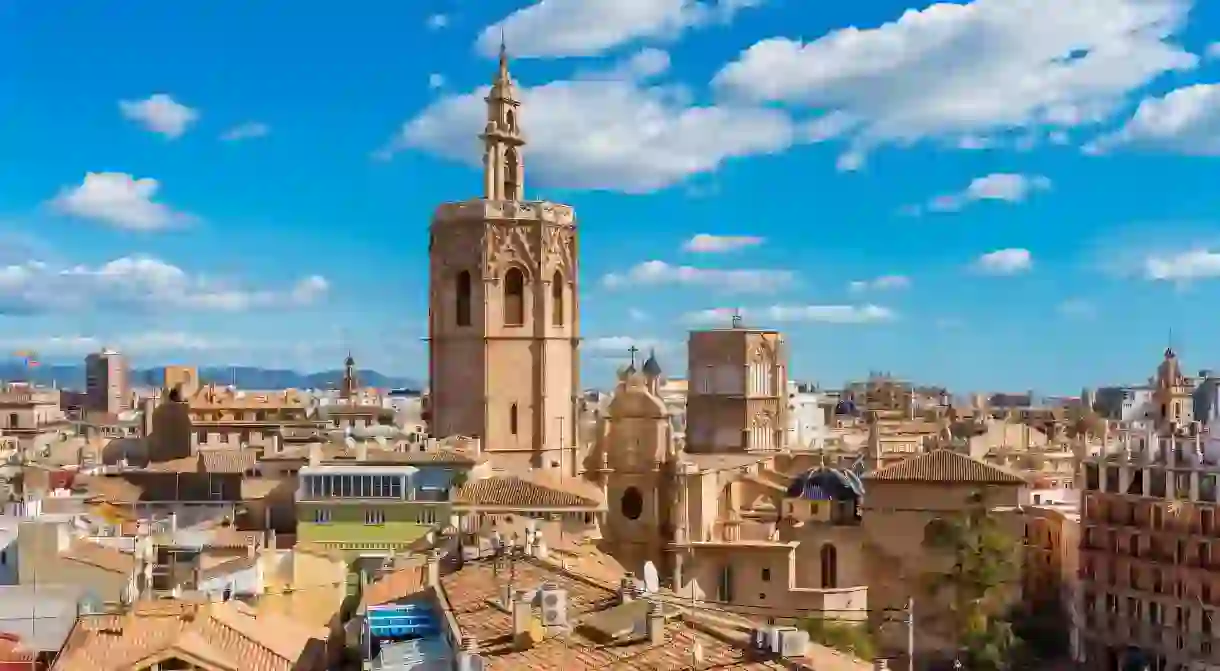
{"points": [[503, 167]]}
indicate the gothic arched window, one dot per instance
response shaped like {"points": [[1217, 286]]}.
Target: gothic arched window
{"points": [[512, 419], [557, 299], [830, 566], [514, 297], [512, 174], [462, 300]]}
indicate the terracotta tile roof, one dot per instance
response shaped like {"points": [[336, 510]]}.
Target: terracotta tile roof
{"points": [[100, 556], [12, 650], [526, 492], [230, 635], [259, 488], [228, 567], [396, 585], [945, 466], [112, 489], [470, 590]]}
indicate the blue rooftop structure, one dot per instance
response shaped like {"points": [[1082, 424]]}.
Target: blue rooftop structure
{"points": [[402, 621], [827, 484]]}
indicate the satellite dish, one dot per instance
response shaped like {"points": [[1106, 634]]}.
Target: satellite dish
{"points": [[350, 443], [652, 582]]}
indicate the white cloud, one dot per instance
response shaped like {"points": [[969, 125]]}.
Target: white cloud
{"points": [[641, 66], [1183, 267], [137, 282], [998, 186], [708, 243], [437, 21], [246, 131], [436, 80], [558, 28], [882, 283], [160, 113], [652, 273], [826, 314], [1077, 308], [1005, 262], [120, 200], [637, 315], [605, 134], [986, 67], [1185, 121]]}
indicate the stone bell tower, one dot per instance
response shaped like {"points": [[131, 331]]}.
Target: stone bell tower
{"points": [[503, 315]]}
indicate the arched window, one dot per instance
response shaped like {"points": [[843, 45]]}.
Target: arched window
{"points": [[514, 297], [512, 419], [511, 119], [632, 504], [512, 174], [830, 566], [462, 300], [557, 299]]}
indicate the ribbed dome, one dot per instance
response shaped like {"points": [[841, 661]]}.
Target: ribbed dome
{"points": [[826, 484]]}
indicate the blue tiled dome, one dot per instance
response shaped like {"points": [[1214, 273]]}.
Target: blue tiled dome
{"points": [[827, 484], [846, 407]]}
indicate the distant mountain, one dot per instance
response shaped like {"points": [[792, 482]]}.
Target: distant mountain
{"points": [[245, 377]]}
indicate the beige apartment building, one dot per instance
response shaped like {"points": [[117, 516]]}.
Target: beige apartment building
{"points": [[106, 382], [1150, 549]]}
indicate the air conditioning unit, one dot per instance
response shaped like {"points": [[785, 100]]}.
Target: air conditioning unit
{"points": [[553, 602], [792, 642], [760, 638]]}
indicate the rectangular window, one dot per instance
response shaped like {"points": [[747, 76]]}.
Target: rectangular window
{"points": [[321, 516], [374, 516], [345, 485], [766, 575], [395, 487]]}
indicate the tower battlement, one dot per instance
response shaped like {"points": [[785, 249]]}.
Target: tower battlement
{"points": [[483, 210]]}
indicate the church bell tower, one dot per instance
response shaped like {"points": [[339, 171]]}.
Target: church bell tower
{"points": [[503, 315]]}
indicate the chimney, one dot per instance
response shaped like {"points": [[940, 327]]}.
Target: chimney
{"points": [[656, 623], [626, 588], [522, 610], [315, 454], [433, 564], [362, 451]]}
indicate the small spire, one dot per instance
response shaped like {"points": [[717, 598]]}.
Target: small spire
{"points": [[503, 73]]}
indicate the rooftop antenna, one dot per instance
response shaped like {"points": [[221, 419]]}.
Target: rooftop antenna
{"points": [[737, 318]]}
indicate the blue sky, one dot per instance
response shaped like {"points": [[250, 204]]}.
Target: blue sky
{"points": [[991, 195]]}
